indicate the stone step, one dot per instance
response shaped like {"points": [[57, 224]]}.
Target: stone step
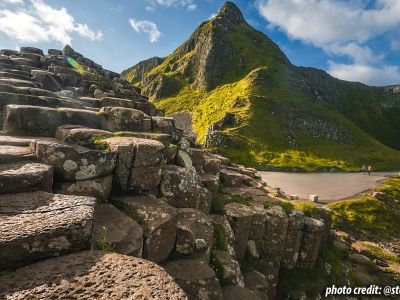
{"points": [[16, 72], [20, 83], [39, 225], [91, 101], [13, 154], [91, 275], [109, 101], [28, 120], [25, 177], [74, 162], [7, 75], [7, 65]]}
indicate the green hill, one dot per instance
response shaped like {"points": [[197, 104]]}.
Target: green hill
{"points": [[251, 104]]}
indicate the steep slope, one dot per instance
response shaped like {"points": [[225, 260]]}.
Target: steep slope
{"points": [[253, 105]]}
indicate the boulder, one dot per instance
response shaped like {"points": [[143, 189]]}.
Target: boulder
{"points": [[293, 239], [239, 217], [120, 232], [232, 178], [91, 275], [99, 188], [33, 50], [25, 177], [158, 221], [123, 119], [197, 156], [310, 243], [211, 182], [270, 269], [39, 225], [48, 80], [194, 234], [212, 165], [196, 278], [163, 124], [54, 52], [117, 102], [74, 162], [183, 188], [148, 153]]}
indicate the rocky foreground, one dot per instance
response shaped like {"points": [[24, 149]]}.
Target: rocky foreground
{"points": [[86, 162]]}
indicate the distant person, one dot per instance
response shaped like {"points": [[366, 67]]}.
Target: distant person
{"points": [[369, 170], [363, 169]]}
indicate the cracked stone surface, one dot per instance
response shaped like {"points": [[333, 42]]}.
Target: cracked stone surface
{"points": [[25, 177], [39, 225], [91, 275]]}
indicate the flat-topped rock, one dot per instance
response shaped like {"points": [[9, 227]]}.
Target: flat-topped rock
{"points": [[163, 124], [31, 50], [183, 188], [20, 82], [125, 119], [25, 177], [39, 225], [91, 275], [80, 135], [163, 138], [25, 120], [233, 292], [196, 278], [109, 101], [99, 188], [194, 234], [12, 154], [158, 221], [74, 162], [119, 231]]}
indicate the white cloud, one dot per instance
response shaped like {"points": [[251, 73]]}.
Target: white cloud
{"points": [[360, 54], [329, 21], [13, 2], [189, 5], [40, 22], [147, 27], [384, 75], [341, 28]]}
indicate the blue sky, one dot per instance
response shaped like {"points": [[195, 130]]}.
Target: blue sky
{"points": [[355, 40]]}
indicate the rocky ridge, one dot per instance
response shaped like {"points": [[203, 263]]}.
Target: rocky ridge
{"points": [[86, 162]]}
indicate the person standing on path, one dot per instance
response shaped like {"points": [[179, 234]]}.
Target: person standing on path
{"points": [[363, 169], [369, 170]]}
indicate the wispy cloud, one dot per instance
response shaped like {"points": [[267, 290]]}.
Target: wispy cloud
{"points": [[13, 1], [342, 28], [189, 5], [383, 75], [147, 27], [39, 22]]}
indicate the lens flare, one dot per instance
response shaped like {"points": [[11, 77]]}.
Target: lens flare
{"points": [[74, 64]]}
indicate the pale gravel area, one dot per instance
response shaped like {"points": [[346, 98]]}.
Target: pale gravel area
{"points": [[329, 187]]}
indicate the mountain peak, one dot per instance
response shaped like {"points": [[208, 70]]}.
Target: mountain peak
{"points": [[231, 12]]}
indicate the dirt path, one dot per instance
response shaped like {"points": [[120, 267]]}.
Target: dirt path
{"points": [[329, 187]]}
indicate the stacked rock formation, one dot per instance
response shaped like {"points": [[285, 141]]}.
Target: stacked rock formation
{"points": [[86, 162]]}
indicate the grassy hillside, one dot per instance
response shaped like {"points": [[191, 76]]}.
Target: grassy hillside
{"points": [[228, 67]]}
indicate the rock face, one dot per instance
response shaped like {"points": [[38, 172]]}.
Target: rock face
{"points": [[117, 230], [158, 220], [196, 278], [87, 162], [86, 275]]}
